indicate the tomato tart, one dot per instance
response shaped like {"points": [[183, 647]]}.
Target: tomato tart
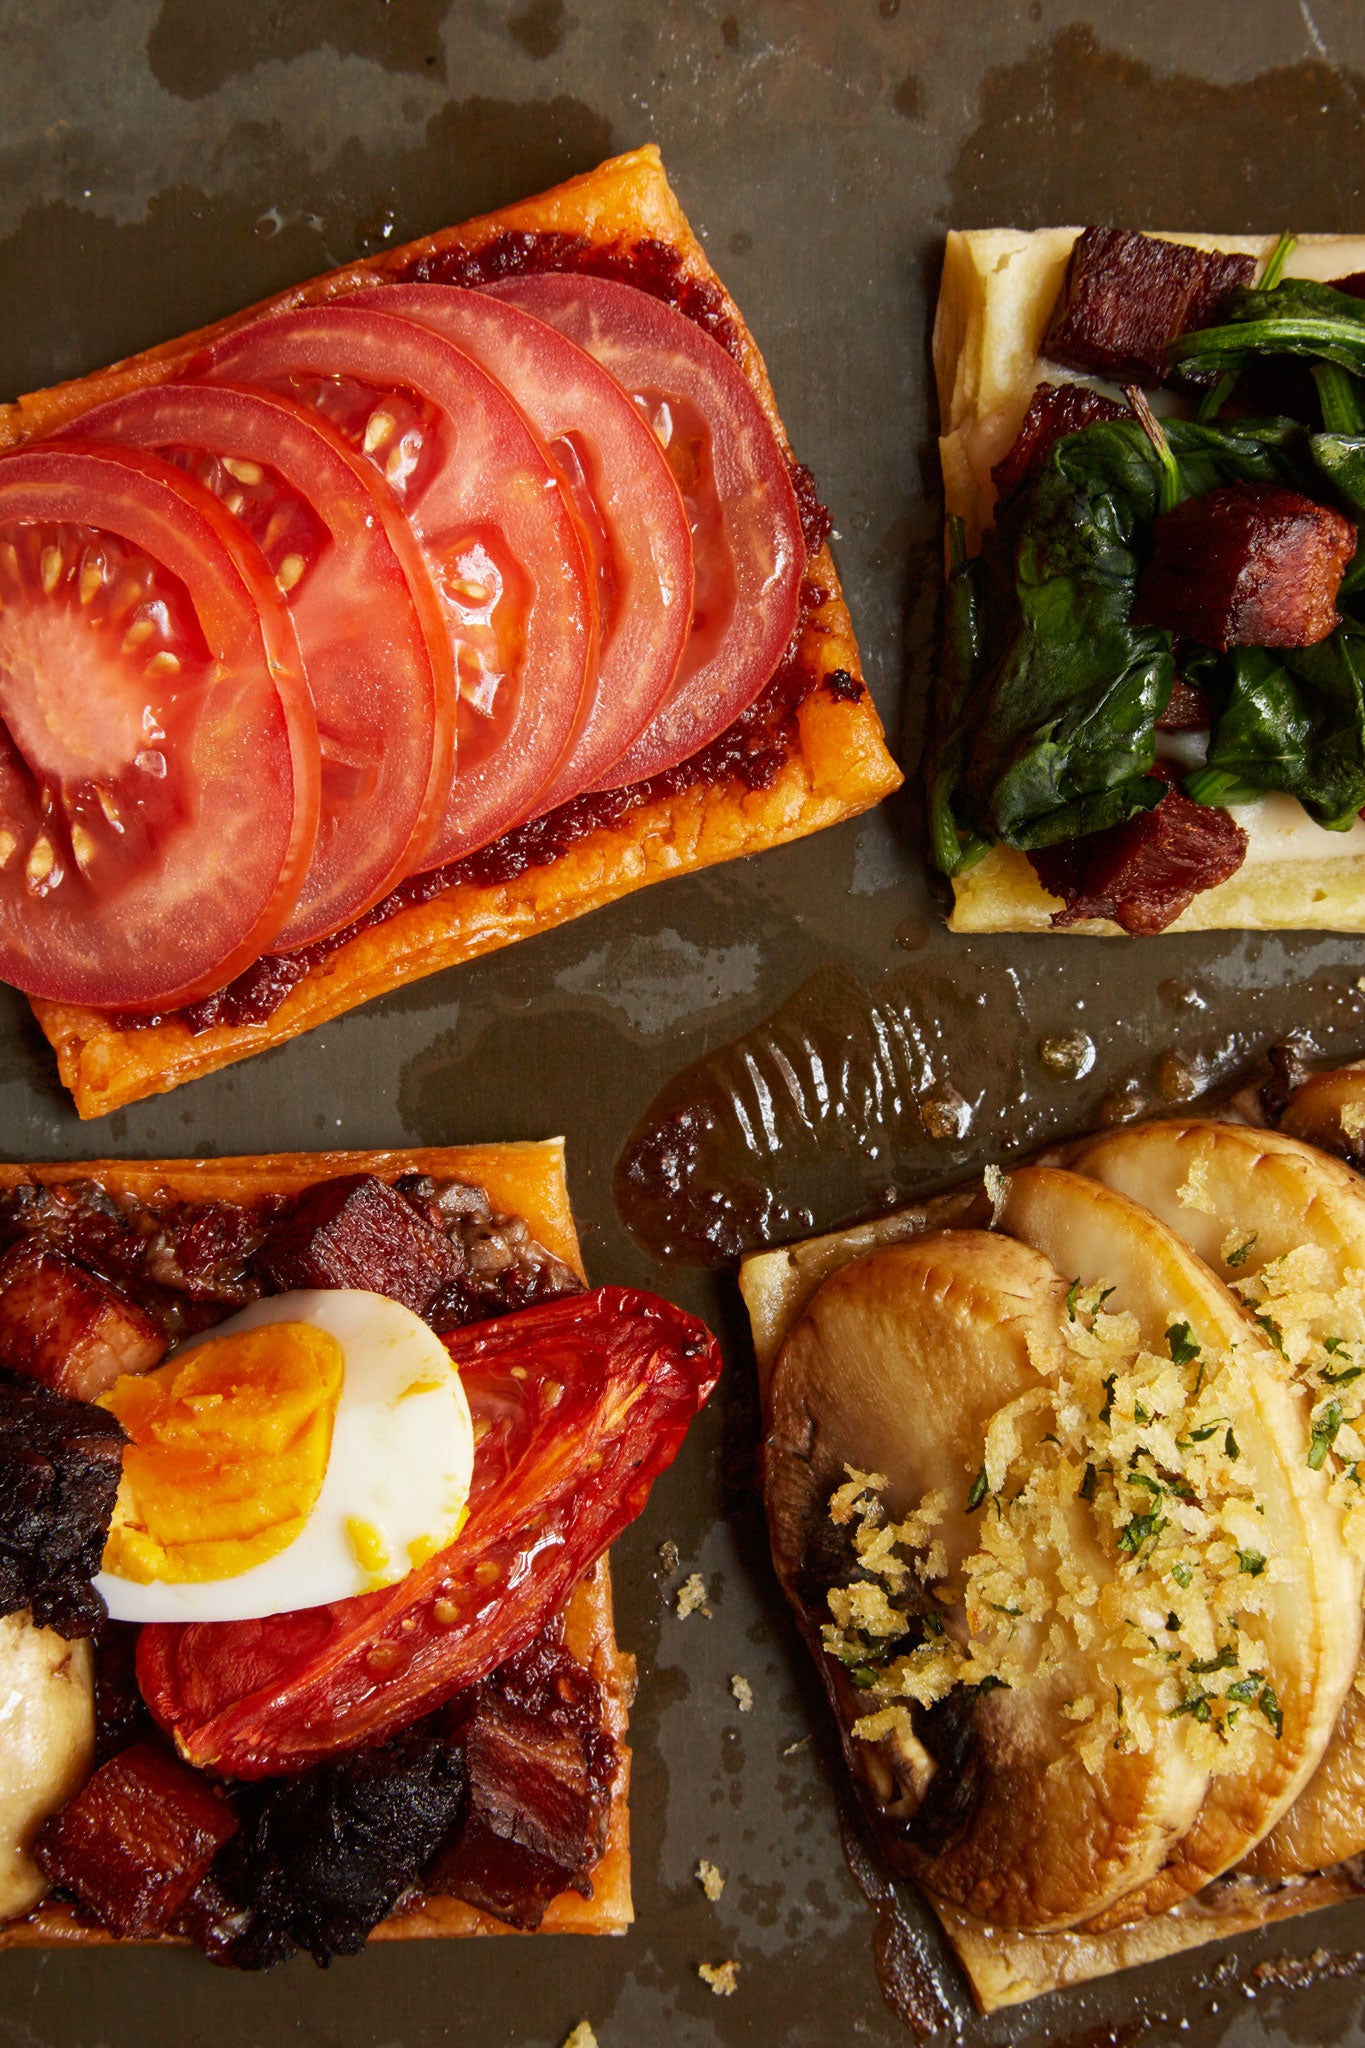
{"points": [[312, 1464], [409, 613]]}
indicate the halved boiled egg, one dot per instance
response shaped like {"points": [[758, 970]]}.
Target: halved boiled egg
{"points": [[315, 1446]]}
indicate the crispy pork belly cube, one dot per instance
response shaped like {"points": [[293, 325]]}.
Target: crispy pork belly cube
{"points": [[1188, 709], [135, 1841], [68, 1328], [1054, 411], [1354, 285], [1248, 565], [60, 1464], [540, 1771], [357, 1232], [1127, 297], [1143, 873]]}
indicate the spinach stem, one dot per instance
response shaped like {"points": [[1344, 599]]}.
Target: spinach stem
{"points": [[1169, 495], [1339, 397], [957, 543], [1275, 262], [1212, 403]]}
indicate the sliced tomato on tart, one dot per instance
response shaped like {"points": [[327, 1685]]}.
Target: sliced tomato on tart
{"points": [[159, 765], [373, 640], [626, 497], [746, 525], [495, 524]]}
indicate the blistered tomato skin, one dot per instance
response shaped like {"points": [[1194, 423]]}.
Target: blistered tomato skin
{"points": [[577, 1406], [500, 539], [370, 630], [159, 769]]}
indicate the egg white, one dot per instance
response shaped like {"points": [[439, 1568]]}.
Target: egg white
{"points": [[400, 1461]]}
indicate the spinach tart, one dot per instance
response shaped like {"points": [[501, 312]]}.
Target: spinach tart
{"points": [[1149, 711]]}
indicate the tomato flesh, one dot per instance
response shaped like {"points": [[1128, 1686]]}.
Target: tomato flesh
{"points": [[498, 534], [374, 645], [159, 763], [621, 486], [726, 461], [578, 1406]]}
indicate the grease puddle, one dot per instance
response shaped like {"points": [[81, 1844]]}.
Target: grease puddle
{"points": [[852, 1097]]}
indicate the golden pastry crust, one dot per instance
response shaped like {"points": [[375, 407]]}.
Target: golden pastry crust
{"points": [[838, 767], [996, 296], [1005, 1966], [524, 1180]]}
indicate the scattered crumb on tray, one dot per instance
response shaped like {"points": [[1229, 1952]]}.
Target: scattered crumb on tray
{"points": [[692, 1597], [743, 1692], [722, 1977], [799, 1743], [669, 1554], [581, 2037], [710, 1879]]}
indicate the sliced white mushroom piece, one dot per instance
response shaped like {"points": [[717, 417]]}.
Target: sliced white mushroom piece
{"points": [[47, 1746], [1248, 1201], [898, 1366], [1304, 1609]]}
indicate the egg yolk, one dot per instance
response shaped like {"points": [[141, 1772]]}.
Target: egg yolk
{"points": [[228, 1452]]}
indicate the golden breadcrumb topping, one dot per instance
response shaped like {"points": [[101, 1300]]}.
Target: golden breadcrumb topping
{"points": [[711, 1880], [692, 1597], [722, 1977], [1117, 1519]]}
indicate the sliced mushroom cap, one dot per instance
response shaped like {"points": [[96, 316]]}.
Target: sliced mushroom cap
{"points": [[47, 1685], [897, 1365], [1262, 1196], [1329, 1110]]}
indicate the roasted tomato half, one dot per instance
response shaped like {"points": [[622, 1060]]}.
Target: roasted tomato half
{"points": [[499, 535], [159, 763], [746, 525], [370, 629], [626, 497], [578, 1406]]}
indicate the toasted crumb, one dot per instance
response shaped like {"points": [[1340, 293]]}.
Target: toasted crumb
{"points": [[691, 1597], [722, 1977], [581, 2037], [743, 1692], [1352, 1119], [793, 1747], [710, 1879], [669, 1554], [995, 1190]]}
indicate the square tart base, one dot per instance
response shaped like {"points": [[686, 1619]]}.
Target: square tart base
{"points": [[838, 766], [522, 1180]]}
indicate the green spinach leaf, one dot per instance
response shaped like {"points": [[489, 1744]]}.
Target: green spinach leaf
{"points": [[1298, 317], [1290, 719]]}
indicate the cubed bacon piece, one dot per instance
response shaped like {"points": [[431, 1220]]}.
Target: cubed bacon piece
{"points": [[540, 1768], [1128, 296], [1054, 411], [60, 1463], [1247, 565], [67, 1328], [1353, 286], [357, 1232], [1143, 873], [135, 1841], [1187, 711]]}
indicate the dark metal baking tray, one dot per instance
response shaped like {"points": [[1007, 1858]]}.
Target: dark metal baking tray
{"points": [[165, 161]]}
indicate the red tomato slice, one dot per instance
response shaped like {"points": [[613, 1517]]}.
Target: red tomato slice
{"points": [[624, 492], [578, 1406], [370, 629], [746, 527], [158, 753], [499, 536]]}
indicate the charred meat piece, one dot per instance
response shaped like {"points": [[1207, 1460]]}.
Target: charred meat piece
{"points": [[60, 1463], [67, 1328], [1054, 411], [322, 1858], [1247, 565], [501, 1266], [1353, 286], [1143, 873], [1187, 711], [540, 1767], [135, 1841], [1128, 296], [121, 1716], [357, 1231]]}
